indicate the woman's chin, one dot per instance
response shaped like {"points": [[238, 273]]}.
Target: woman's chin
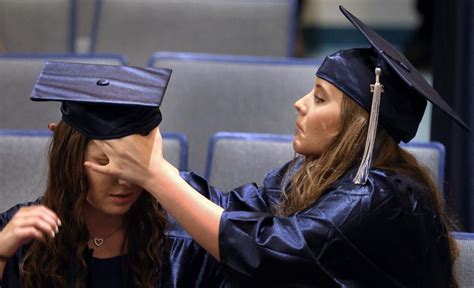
{"points": [[111, 209], [305, 150], [119, 208], [297, 146]]}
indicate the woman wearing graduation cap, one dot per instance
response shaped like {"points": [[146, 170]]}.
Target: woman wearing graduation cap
{"points": [[355, 211], [90, 229]]}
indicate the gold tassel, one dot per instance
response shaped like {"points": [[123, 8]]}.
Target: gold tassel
{"points": [[363, 171]]}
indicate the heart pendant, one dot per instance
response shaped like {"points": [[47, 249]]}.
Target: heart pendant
{"points": [[98, 241]]}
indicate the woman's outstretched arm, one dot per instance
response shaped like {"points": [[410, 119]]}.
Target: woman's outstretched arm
{"points": [[139, 160]]}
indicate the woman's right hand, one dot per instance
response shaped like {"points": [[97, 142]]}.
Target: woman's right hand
{"points": [[134, 158], [32, 222]]}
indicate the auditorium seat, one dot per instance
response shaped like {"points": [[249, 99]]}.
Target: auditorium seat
{"points": [[235, 159], [245, 27], [39, 26], [464, 266], [210, 93], [18, 74], [432, 155]]}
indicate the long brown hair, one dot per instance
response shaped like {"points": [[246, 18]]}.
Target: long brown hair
{"points": [[53, 261], [344, 152]]}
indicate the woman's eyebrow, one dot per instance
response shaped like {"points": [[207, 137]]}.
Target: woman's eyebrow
{"points": [[322, 88]]}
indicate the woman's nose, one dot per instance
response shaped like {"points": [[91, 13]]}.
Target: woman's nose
{"points": [[299, 105]]}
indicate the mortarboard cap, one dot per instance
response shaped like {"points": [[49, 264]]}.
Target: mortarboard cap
{"points": [[104, 101], [405, 91], [395, 93]]}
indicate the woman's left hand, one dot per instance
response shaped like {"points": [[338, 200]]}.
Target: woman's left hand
{"points": [[133, 158]]}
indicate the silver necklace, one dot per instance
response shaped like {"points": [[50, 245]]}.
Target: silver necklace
{"points": [[99, 241]]}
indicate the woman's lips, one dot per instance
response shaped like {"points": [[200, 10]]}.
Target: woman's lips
{"points": [[298, 128], [121, 198]]}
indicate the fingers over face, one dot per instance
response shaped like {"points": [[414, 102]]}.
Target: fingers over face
{"points": [[104, 145], [103, 169], [155, 131], [52, 126]]}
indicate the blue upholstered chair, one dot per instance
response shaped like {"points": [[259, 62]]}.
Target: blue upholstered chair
{"points": [[464, 266], [46, 26], [238, 158], [211, 93], [18, 75], [243, 27]]}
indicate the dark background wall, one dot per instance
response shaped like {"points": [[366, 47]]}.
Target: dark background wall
{"points": [[453, 77]]}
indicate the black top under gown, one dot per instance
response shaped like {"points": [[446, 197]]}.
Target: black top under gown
{"points": [[101, 269]]}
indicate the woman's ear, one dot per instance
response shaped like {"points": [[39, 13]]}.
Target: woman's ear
{"points": [[52, 126]]}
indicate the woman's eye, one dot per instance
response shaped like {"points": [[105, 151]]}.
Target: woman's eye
{"points": [[318, 99]]}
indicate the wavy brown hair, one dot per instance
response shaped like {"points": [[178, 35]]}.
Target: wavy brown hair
{"points": [[51, 263], [344, 152]]}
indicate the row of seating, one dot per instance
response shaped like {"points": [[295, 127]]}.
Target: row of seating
{"points": [[137, 28], [246, 94], [233, 159], [261, 152]]}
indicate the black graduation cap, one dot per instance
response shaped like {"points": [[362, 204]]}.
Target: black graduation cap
{"points": [[397, 101], [104, 101], [405, 91]]}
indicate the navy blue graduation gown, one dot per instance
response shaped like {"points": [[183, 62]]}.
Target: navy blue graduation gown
{"points": [[383, 234]]}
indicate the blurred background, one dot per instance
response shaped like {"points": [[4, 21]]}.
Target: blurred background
{"points": [[284, 35]]}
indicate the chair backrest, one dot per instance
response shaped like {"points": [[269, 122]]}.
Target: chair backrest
{"points": [[175, 149], [239, 158], [235, 159], [18, 75], [432, 156], [37, 26], [23, 169], [23, 158], [464, 266], [245, 27], [210, 93]]}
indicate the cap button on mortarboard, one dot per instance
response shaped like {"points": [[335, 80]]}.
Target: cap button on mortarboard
{"points": [[102, 82]]}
